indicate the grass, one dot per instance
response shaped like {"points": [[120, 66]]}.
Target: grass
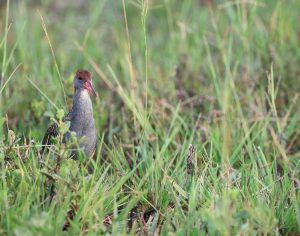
{"points": [[197, 116]]}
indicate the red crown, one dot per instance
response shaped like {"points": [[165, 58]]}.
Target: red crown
{"points": [[83, 75]]}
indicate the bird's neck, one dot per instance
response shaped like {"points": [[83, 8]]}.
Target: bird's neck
{"points": [[82, 105]]}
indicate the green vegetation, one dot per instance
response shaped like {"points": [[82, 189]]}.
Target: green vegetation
{"points": [[198, 117]]}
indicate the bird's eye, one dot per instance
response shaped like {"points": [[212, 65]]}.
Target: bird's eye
{"points": [[80, 78]]}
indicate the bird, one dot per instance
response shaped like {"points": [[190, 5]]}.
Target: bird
{"points": [[80, 117]]}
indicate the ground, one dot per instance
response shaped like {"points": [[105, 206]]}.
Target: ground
{"points": [[197, 117]]}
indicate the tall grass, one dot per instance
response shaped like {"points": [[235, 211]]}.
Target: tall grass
{"points": [[197, 117]]}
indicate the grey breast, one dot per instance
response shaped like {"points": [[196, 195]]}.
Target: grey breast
{"points": [[82, 121]]}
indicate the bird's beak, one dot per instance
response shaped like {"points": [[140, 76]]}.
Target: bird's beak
{"points": [[89, 87]]}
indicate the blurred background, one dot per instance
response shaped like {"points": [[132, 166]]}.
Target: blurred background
{"points": [[165, 52]]}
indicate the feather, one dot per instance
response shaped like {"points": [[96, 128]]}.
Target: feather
{"points": [[52, 132]]}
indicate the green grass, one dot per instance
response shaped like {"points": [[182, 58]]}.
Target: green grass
{"points": [[222, 77]]}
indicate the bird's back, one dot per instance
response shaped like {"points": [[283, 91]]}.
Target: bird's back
{"points": [[52, 132]]}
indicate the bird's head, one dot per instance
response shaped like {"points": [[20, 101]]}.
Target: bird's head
{"points": [[83, 80]]}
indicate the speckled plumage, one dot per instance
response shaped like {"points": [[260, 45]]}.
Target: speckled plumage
{"points": [[52, 132]]}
